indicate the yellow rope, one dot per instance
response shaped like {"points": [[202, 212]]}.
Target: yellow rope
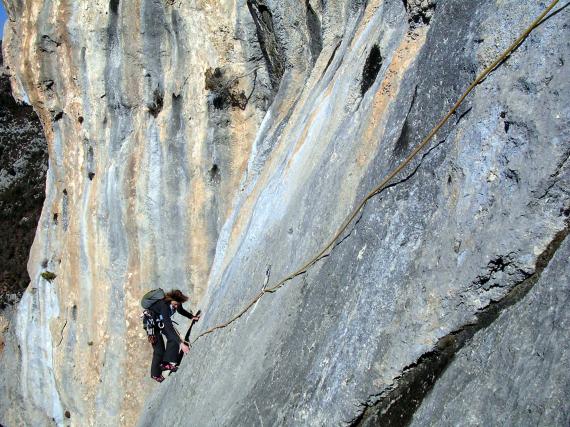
{"points": [[390, 176]]}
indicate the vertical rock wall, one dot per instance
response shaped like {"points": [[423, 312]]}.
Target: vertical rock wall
{"points": [[150, 109], [23, 165], [461, 235], [197, 143], [518, 361]]}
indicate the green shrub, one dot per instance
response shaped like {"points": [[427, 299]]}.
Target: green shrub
{"points": [[48, 275]]}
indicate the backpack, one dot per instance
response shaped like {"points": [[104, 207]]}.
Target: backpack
{"points": [[148, 318], [151, 297]]}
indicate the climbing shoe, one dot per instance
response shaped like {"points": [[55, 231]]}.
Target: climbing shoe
{"points": [[158, 379], [169, 367]]}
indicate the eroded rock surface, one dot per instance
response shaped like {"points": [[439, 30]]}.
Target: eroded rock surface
{"points": [[462, 227], [198, 144], [145, 159], [513, 372]]}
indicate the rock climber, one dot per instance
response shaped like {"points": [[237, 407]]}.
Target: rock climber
{"points": [[163, 310]]}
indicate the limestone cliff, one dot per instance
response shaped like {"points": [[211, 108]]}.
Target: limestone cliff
{"points": [[150, 110], [195, 144]]}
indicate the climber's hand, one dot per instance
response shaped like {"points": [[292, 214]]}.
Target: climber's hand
{"points": [[184, 348]]}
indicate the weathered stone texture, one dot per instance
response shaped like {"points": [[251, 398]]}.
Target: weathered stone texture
{"points": [[144, 164], [463, 226], [514, 372], [193, 178]]}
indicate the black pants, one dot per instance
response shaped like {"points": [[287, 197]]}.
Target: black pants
{"points": [[159, 354]]}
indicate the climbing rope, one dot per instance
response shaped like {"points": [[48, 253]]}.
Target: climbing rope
{"points": [[388, 177]]}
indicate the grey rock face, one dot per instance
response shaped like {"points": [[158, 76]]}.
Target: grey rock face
{"points": [[337, 94], [138, 146], [514, 372], [465, 226]]}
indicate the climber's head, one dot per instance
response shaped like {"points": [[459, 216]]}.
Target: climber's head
{"points": [[175, 297]]}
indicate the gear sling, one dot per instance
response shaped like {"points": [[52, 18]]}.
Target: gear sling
{"points": [[150, 322]]}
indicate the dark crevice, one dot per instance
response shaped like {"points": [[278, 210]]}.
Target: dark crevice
{"points": [[176, 122], [214, 173], [403, 141], [90, 163], [409, 176], [47, 85], [554, 176], [314, 27], [252, 90], [396, 406], [462, 115], [561, 164], [61, 333], [218, 102], [500, 264], [114, 6], [371, 68], [155, 106], [512, 175], [47, 44], [270, 47], [332, 57]]}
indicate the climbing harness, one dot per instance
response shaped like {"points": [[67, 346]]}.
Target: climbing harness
{"points": [[150, 323], [383, 184]]}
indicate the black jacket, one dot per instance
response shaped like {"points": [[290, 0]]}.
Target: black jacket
{"points": [[163, 308]]}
